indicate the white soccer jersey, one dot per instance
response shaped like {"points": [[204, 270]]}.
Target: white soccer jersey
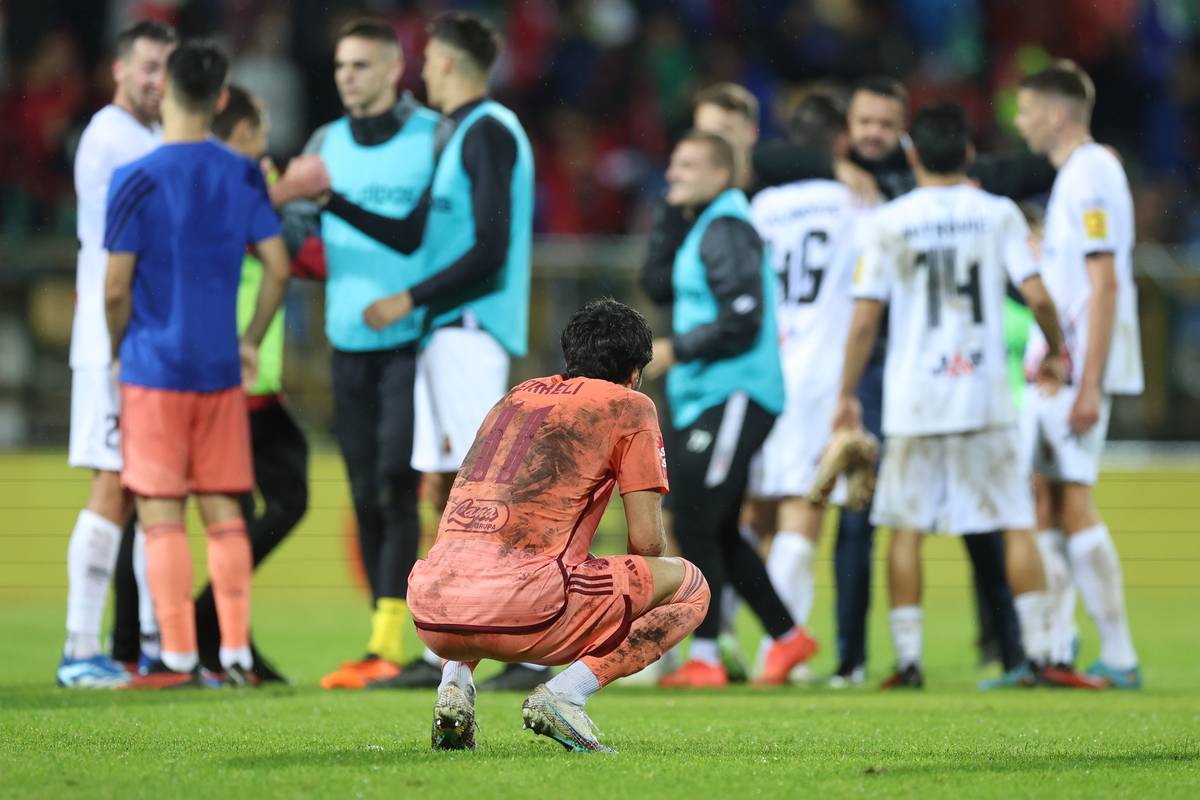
{"points": [[809, 228], [111, 139], [940, 257], [1091, 211]]}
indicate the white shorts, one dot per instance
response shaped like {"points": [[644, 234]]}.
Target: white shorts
{"points": [[95, 420], [461, 374], [956, 483], [787, 463], [1051, 448]]}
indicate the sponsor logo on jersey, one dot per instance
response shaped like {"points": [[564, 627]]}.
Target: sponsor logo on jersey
{"points": [[959, 365], [478, 516]]}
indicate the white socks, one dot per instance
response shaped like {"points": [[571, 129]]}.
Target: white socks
{"points": [[432, 658], [91, 559], [184, 662], [1033, 612], [704, 650], [906, 635], [790, 568], [1097, 571], [457, 673], [147, 621], [1060, 593], [575, 684], [236, 656]]}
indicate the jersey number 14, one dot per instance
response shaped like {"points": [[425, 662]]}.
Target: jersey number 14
{"points": [[942, 284]]}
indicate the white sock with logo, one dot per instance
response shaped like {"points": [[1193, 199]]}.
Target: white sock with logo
{"points": [[457, 673], [575, 684], [790, 568], [1060, 594], [91, 559], [1097, 570]]}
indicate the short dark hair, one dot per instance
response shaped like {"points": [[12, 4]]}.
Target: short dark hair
{"points": [[884, 86], [942, 136], [606, 340], [146, 29], [731, 97], [1066, 80], [470, 33], [373, 28], [197, 70], [718, 147], [240, 106], [818, 120]]}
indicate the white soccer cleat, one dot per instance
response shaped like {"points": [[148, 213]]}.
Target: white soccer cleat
{"points": [[550, 714]]}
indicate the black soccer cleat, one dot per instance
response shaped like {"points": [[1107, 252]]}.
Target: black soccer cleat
{"points": [[416, 674], [515, 678], [908, 678]]}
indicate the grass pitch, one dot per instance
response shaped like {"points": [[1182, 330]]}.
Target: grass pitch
{"points": [[949, 740]]}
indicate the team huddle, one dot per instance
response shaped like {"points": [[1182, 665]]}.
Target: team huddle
{"points": [[811, 327]]}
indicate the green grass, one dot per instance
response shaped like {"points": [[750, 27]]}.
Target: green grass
{"points": [[949, 740]]}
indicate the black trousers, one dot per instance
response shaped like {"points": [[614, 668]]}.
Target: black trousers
{"points": [[373, 410], [709, 463], [281, 477]]}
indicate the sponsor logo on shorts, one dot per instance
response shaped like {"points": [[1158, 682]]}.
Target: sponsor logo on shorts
{"points": [[478, 516]]}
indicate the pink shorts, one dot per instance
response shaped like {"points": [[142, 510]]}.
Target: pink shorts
{"points": [[180, 443], [604, 597]]}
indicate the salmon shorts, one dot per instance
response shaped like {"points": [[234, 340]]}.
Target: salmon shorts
{"points": [[180, 443], [604, 597]]}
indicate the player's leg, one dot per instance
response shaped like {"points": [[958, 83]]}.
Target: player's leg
{"points": [[677, 600], [852, 553], [904, 589], [356, 406], [793, 551], [96, 537], [398, 483], [1096, 568], [987, 554], [126, 647]]}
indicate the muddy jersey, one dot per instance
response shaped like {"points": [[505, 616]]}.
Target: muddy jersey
{"points": [[528, 499]]}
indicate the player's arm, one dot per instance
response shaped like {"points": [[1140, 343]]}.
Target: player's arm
{"points": [[402, 234], [1015, 175], [732, 253], [489, 156], [778, 162], [1051, 372], [864, 329], [118, 297], [1102, 275], [643, 517], [276, 270], [666, 236]]}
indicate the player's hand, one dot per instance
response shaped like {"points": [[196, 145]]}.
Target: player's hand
{"points": [[860, 182], [115, 369], [307, 176], [848, 414], [270, 172], [663, 359], [384, 312], [1051, 375], [1085, 413], [249, 354]]}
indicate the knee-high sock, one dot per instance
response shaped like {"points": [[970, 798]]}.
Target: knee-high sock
{"points": [[790, 567], [169, 567], [1033, 613], [229, 568], [1060, 592], [147, 621], [91, 559], [906, 635], [656, 631], [1097, 571]]}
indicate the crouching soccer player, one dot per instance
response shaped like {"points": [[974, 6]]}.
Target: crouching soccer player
{"points": [[178, 223], [510, 578]]}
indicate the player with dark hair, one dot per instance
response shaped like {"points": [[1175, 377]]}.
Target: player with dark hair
{"points": [[724, 390], [510, 577], [122, 131], [939, 256], [185, 430]]}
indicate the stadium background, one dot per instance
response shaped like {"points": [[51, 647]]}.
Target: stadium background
{"points": [[604, 86]]}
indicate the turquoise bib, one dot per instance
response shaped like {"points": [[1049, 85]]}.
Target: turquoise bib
{"points": [[696, 386], [386, 179]]}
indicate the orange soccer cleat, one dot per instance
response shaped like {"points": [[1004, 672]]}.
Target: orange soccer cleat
{"points": [[357, 674], [786, 652], [696, 674]]}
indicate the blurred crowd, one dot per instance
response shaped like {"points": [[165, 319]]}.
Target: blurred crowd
{"points": [[604, 86]]}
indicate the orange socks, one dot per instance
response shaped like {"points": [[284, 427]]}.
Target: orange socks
{"points": [[169, 568], [229, 569], [656, 631]]}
